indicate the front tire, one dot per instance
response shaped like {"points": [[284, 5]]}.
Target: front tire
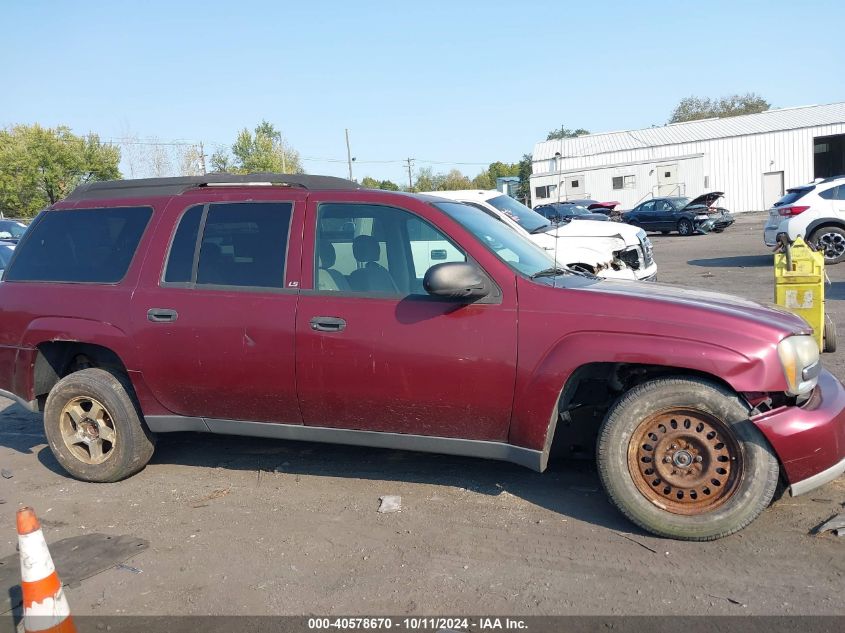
{"points": [[94, 426], [684, 227], [679, 457]]}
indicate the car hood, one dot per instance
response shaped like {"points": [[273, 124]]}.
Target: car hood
{"points": [[705, 199], [709, 301], [590, 228]]}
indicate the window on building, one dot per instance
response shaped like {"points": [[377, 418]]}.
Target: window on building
{"points": [[574, 184], [80, 245], [624, 182], [546, 191]]}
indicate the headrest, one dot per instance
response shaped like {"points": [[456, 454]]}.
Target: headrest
{"points": [[327, 254], [366, 248]]}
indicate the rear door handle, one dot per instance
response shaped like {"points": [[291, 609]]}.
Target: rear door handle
{"points": [[162, 315], [327, 324]]}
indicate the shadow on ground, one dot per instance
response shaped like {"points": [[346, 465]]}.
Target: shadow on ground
{"points": [[738, 261], [835, 290], [570, 488]]}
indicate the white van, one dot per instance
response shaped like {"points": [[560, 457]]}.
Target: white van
{"points": [[607, 249]]}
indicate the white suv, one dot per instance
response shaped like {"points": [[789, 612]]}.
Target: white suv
{"points": [[607, 249], [816, 212]]}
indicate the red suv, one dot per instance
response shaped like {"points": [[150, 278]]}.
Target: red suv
{"points": [[306, 308]]}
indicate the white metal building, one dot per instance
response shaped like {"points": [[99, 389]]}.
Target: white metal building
{"points": [[752, 158]]}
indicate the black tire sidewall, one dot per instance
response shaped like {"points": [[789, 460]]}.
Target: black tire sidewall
{"points": [[134, 444], [815, 241], [760, 475]]}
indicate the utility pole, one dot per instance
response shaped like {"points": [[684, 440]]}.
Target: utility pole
{"points": [[348, 154], [410, 177], [202, 158]]}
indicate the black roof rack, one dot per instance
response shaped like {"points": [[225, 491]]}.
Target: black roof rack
{"points": [[142, 187]]}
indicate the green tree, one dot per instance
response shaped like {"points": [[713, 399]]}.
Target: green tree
{"points": [[696, 108], [428, 180], [265, 149], [39, 166], [565, 132], [487, 178], [524, 166], [372, 183]]}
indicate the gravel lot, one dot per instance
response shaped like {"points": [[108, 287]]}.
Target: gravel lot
{"points": [[251, 526]]}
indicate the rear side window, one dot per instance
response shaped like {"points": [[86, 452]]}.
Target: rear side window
{"points": [[793, 195], [80, 245], [180, 264], [243, 244], [834, 193]]}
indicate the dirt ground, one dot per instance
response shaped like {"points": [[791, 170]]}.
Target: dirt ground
{"points": [[254, 526]]}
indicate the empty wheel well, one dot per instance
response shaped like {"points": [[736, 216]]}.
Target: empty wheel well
{"points": [[588, 394], [57, 359]]}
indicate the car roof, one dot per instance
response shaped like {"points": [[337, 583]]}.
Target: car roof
{"points": [[145, 187]]}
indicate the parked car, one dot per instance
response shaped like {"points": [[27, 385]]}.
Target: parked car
{"points": [[12, 230], [611, 251], [292, 307], [815, 211], [559, 212], [6, 250], [684, 215]]}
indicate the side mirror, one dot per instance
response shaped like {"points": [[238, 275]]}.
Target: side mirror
{"points": [[456, 280]]}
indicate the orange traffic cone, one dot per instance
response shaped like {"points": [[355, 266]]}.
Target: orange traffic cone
{"points": [[45, 607]]}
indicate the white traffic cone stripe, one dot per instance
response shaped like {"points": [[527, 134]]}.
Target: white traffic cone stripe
{"points": [[41, 616], [36, 563]]}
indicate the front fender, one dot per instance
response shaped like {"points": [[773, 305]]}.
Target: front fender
{"points": [[539, 386]]}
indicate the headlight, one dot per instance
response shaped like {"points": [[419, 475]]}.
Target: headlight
{"points": [[701, 217], [631, 257], [799, 356]]}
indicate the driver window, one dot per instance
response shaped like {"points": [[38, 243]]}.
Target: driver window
{"points": [[368, 249], [647, 207]]}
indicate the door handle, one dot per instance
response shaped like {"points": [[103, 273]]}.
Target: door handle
{"points": [[327, 324], [162, 315]]}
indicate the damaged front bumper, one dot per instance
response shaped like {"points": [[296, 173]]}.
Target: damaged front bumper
{"points": [[809, 439]]}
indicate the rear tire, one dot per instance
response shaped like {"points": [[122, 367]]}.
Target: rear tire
{"points": [[684, 227], [830, 240], [679, 457], [829, 335], [95, 428]]}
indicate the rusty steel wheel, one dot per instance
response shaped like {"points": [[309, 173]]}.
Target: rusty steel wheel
{"points": [[679, 456], [685, 461]]}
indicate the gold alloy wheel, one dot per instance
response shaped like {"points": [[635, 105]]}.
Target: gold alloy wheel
{"points": [[87, 428], [685, 461]]}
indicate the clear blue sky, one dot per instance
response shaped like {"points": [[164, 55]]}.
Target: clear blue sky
{"points": [[455, 82]]}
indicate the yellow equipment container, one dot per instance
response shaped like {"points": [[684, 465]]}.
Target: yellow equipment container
{"points": [[799, 287]]}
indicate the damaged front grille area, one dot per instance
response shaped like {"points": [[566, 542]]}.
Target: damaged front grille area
{"points": [[631, 257]]}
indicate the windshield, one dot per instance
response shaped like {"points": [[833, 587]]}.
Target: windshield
{"points": [[513, 248], [573, 209], [679, 203], [14, 229], [519, 213]]}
